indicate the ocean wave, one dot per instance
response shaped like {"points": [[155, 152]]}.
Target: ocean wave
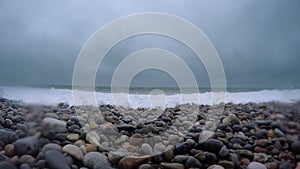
{"points": [[52, 96]]}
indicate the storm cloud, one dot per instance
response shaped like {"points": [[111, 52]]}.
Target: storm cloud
{"points": [[257, 41]]}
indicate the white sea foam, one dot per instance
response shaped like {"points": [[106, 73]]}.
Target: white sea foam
{"points": [[54, 96]]}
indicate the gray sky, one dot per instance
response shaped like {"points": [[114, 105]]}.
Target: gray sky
{"points": [[258, 41]]}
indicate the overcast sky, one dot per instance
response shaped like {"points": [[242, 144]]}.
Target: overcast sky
{"points": [[258, 41]]}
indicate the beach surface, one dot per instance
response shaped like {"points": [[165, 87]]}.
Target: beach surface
{"points": [[228, 135]]}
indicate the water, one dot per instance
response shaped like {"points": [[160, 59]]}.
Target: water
{"points": [[145, 97]]}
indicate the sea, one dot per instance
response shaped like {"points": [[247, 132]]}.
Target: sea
{"points": [[146, 97]]}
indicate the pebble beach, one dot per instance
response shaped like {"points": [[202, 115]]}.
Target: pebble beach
{"points": [[246, 136]]}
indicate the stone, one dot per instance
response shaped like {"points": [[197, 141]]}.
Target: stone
{"points": [[121, 139], [115, 156], [25, 166], [245, 161], [285, 165], [90, 147], [101, 165], [279, 133], [172, 165], [57, 126], [271, 165], [93, 138], [224, 152], [213, 145], [146, 166], [159, 147], [296, 147], [91, 158], [51, 146], [9, 150], [226, 164], [258, 149], [256, 165], [231, 120], [7, 136], [181, 148], [245, 153], [132, 162], [211, 158], [262, 142], [172, 139], [28, 145], [181, 158], [193, 163], [28, 159], [262, 133], [56, 160], [74, 151], [205, 135], [146, 149], [73, 137], [235, 159], [278, 124], [168, 153], [136, 139], [260, 157], [215, 167], [7, 165]]}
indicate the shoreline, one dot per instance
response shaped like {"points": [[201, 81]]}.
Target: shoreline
{"points": [[253, 135]]}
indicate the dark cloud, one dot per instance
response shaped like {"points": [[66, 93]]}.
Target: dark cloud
{"points": [[258, 41]]}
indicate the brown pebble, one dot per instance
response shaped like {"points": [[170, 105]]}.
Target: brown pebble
{"points": [[245, 161], [136, 139], [90, 147], [271, 165], [258, 149], [28, 159], [9, 150]]}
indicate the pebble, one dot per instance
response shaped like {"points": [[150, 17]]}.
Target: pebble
{"points": [[285, 165], [193, 163], [53, 124], [215, 167], [9, 150], [231, 120], [132, 162], [93, 138], [28, 145], [136, 139], [101, 165], [205, 135], [7, 165], [172, 165], [28, 159], [146, 149], [296, 147], [90, 147], [91, 158], [226, 164], [7, 136], [25, 166], [56, 160], [271, 165], [73, 137], [213, 145], [279, 133], [51, 146], [146, 166], [211, 158], [74, 151], [224, 152], [256, 165], [278, 124]]}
